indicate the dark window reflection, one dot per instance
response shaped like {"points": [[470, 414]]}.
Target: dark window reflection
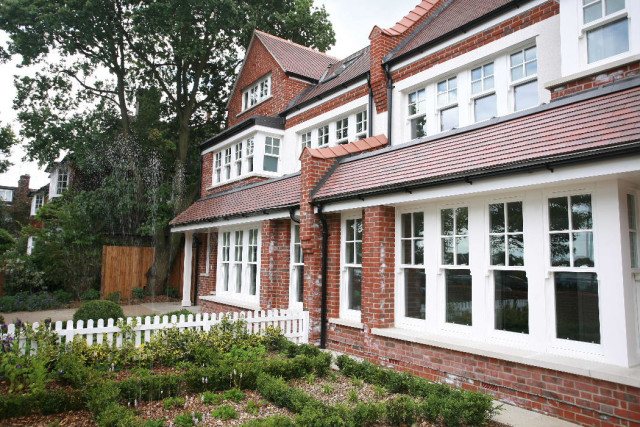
{"points": [[577, 310], [511, 301]]}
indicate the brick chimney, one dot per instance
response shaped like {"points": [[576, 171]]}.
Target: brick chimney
{"points": [[23, 188]]}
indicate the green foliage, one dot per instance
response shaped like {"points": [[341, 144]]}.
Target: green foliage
{"points": [[115, 297], [402, 410], [352, 396], [187, 419], [42, 402], [172, 292], [138, 293], [272, 421], [118, 416], [101, 395], [234, 395], [90, 295], [7, 140], [153, 423], [253, 406], [225, 412], [211, 398], [6, 241], [25, 301], [173, 402], [365, 414], [328, 389], [22, 276], [101, 309]]}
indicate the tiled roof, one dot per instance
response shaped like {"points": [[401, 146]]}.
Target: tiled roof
{"points": [[277, 193], [589, 126], [356, 69], [351, 148], [296, 58], [447, 18], [405, 23]]}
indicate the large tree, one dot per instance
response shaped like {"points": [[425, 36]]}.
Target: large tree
{"points": [[112, 54]]}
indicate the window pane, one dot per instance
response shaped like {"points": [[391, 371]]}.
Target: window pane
{"points": [[514, 213], [358, 229], [631, 211], [531, 68], [418, 127], [462, 250], [462, 220], [449, 118], [354, 288], [476, 87], [526, 95], [485, 108], [517, 58], [447, 251], [299, 283], [238, 271], [350, 229], [583, 249], [558, 214], [516, 250], [511, 301], [406, 225], [577, 312], [476, 74], [418, 247], [225, 276], [559, 250], [270, 164], [414, 293], [406, 252], [592, 12], [530, 54], [496, 218], [633, 243], [446, 217], [350, 253], [418, 224], [358, 252], [253, 278], [608, 40], [458, 287], [497, 249], [581, 212], [612, 6], [517, 73]]}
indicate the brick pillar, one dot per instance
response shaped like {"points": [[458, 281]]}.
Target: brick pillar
{"points": [[381, 45], [312, 171], [274, 264], [378, 267], [207, 281]]}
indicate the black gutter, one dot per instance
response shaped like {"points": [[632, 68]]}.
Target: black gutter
{"points": [[463, 29], [266, 211], [389, 103], [323, 302], [370, 107]]}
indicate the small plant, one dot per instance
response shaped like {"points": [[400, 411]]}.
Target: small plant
{"points": [[357, 382], [172, 292], [98, 310], [328, 389], [153, 423], [211, 398], [188, 419], [138, 293], [333, 376], [379, 392], [253, 406], [115, 297], [225, 412], [234, 395], [353, 396], [90, 295], [173, 402], [310, 378]]}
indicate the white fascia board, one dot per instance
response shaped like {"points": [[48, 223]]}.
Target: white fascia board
{"points": [[331, 115], [327, 98], [489, 24], [518, 181], [244, 135], [236, 221]]}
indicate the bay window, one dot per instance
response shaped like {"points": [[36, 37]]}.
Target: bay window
{"points": [[225, 260], [412, 265], [352, 279], [238, 270], [417, 114], [238, 158], [342, 130], [454, 245], [606, 35]]}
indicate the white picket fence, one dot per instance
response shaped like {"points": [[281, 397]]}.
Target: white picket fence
{"points": [[294, 325]]}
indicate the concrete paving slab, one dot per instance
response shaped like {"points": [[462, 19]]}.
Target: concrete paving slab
{"points": [[518, 417]]}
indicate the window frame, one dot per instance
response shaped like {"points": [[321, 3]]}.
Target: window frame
{"points": [[401, 319], [243, 296], [238, 151], [418, 114], [342, 130], [6, 191], [261, 90], [362, 121], [525, 79], [323, 136], [295, 247], [272, 150], [62, 172], [345, 312]]}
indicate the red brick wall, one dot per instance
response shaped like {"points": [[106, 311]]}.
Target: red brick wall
{"points": [[332, 102], [274, 264], [207, 281], [593, 81], [259, 63]]}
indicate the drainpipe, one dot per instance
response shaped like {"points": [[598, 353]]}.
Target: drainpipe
{"points": [[370, 107], [292, 215], [323, 304], [389, 102]]}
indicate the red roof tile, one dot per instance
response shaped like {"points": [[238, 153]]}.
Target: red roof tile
{"points": [[418, 12], [296, 58], [352, 148], [585, 126], [274, 194]]}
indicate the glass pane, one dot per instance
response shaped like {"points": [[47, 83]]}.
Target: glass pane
{"points": [[442, 86], [299, 283], [514, 214], [476, 74], [358, 228], [488, 70], [485, 108], [577, 311], [476, 87], [354, 288], [238, 272], [358, 252], [631, 211], [462, 220], [350, 229], [516, 250], [633, 243], [581, 212], [405, 225], [350, 253], [531, 68], [530, 54], [414, 293], [612, 6], [270, 164], [496, 247], [449, 118], [443, 98], [511, 302], [559, 250], [459, 304], [253, 278], [446, 218], [418, 224], [608, 40], [488, 83], [583, 249], [406, 251], [453, 83], [517, 58], [418, 247], [517, 73], [418, 127], [526, 95], [592, 12], [496, 218], [447, 251], [453, 95], [462, 251], [225, 276], [558, 214]]}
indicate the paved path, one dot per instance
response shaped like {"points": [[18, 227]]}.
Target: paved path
{"points": [[67, 313], [518, 417]]}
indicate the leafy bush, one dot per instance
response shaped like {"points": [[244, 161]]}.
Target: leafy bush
{"points": [[272, 421], [43, 402], [225, 412], [172, 292], [90, 295], [138, 293], [234, 395], [173, 402], [211, 398], [118, 416], [23, 276], [101, 395], [402, 410], [63, 296], [25, 301], [115, 297], [187, 419], [100, 309]]}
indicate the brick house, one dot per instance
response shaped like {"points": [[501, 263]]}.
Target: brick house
{"points": [[458, 199]]}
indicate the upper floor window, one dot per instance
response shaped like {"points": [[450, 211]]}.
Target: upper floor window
{"points": [[483, 93], [447, 103], [227, 163], [271, 154], [62, 181], [38, 202], [361, 124], [249, 150], [524, 69], [256, 93], [218, 166], [238, 158], [632, 212], [305, 141], [342, 130], [417, 113], [323, 136], [606, 35], [6, 195]]}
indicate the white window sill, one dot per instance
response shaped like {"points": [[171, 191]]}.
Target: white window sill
{"points": [[232, 302], [347, 322], [587, 368]]}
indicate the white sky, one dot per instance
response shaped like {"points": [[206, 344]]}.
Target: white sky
{"points": [[352, 21]]}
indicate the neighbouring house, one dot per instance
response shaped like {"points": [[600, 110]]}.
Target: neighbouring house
{"points": [[458, 199], [14, 204]]}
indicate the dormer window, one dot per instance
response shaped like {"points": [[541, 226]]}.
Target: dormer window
{"points": [[607, 28], [483, 93], [227, 163], [256, 93], [361, 125], [63, 181], [342, 130]]}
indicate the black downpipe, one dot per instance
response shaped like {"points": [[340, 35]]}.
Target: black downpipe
{"points": [[389, 102], [323, 304], [370, 112], [292, 215]]}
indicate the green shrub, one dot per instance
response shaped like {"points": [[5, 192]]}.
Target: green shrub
{"points": [[277, 391], [211, 398], [63, 297], [173, 402], [138, 293], [187, 419], [101, 395], [115, 297], [402, 410], [272, 421], [100, 309], [172, 292], [153, 423], [43, 402], [234, 395], [323, 416], [90, 295], [225, 412], [118, 416], [365, 414], [71, 369]]}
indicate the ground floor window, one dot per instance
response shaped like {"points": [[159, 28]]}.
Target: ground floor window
{"points": [[238, 270], [351, 294], [296, 294]]}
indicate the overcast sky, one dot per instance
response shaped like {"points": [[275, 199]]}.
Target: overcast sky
{"points": [[352, 21]]}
